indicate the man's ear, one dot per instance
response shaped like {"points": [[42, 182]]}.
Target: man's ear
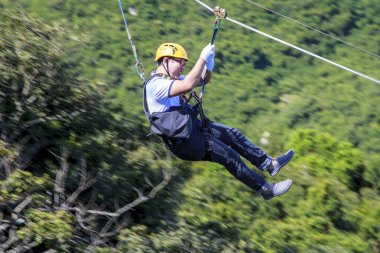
{"points": [[165, 60]]}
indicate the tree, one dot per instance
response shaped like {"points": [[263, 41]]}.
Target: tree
{"points": [[323, 155], [66, 171]]}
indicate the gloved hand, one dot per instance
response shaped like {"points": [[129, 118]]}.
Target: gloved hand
{"points": [[210, 64], [208, 53]]}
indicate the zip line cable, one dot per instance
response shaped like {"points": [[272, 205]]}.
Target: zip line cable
{"points": [[292, 46], [314, 29], [303, 50], [138, 64]]}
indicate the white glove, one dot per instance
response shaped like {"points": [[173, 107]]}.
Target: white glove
{"points": [[208, 52], [210, 64]]}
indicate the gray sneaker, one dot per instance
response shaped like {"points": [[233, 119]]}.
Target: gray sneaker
{"points": [[269, 191], [280, 162]]}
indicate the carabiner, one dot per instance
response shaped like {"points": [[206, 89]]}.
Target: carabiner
{"points": [[142, 72]]}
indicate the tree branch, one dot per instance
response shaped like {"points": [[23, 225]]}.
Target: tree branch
{"points": [[21, 206], [4, 163], [12, 238], [25, 245], [84, 184], [124, 222], [60, 179], [136, 202]]}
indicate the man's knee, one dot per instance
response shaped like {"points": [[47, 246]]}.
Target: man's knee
{"points": [[224, 155], [234, 133]]}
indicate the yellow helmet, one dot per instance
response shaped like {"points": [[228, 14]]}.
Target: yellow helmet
{"points": [[171, 50]]}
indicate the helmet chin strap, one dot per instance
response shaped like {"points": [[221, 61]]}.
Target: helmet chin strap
{"points": [[167, 68]]}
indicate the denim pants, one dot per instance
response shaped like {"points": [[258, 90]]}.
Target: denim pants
{"points": [[224, 145]]}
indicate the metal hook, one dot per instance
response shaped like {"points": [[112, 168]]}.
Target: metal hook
{"points": [[142, 72], [220, 13]]}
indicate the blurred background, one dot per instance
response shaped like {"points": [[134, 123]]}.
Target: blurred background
{"points": [[78, 174]]}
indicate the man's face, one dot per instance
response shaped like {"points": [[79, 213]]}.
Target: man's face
{"points": [[176, 67]]}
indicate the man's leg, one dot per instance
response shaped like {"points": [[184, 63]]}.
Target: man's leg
{"points": [[229, 158], [234, 138], [220, 153]]}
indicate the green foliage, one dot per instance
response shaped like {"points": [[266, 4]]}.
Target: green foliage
{"points": [[321, 155], [62, 143], [20, 183], [135, 240], [328, 116], [55, 227], [331, 199]]}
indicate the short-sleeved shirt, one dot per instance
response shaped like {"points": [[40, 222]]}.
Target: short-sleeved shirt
{"points": [[158, 94]]}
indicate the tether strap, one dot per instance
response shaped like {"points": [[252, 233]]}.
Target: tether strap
{"points": [[138, 63]]}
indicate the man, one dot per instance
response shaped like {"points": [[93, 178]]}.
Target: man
{"points": [[189, 138]]}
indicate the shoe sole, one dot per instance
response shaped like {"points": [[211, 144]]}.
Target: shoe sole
{"points": [[287, 189]]}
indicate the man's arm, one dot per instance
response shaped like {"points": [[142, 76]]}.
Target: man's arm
{"points": [[190, 81], [193, 78], [206, 74]]}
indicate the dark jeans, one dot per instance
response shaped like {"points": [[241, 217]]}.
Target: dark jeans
{"points": [[224, 145]]}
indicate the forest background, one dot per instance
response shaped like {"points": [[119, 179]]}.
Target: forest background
{"points": [[78, 173]]}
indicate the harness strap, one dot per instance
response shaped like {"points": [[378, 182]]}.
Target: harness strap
{"points": [[145, 103], [197, 107]]}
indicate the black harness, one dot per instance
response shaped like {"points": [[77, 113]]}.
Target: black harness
{"points": [[175, 125]]}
